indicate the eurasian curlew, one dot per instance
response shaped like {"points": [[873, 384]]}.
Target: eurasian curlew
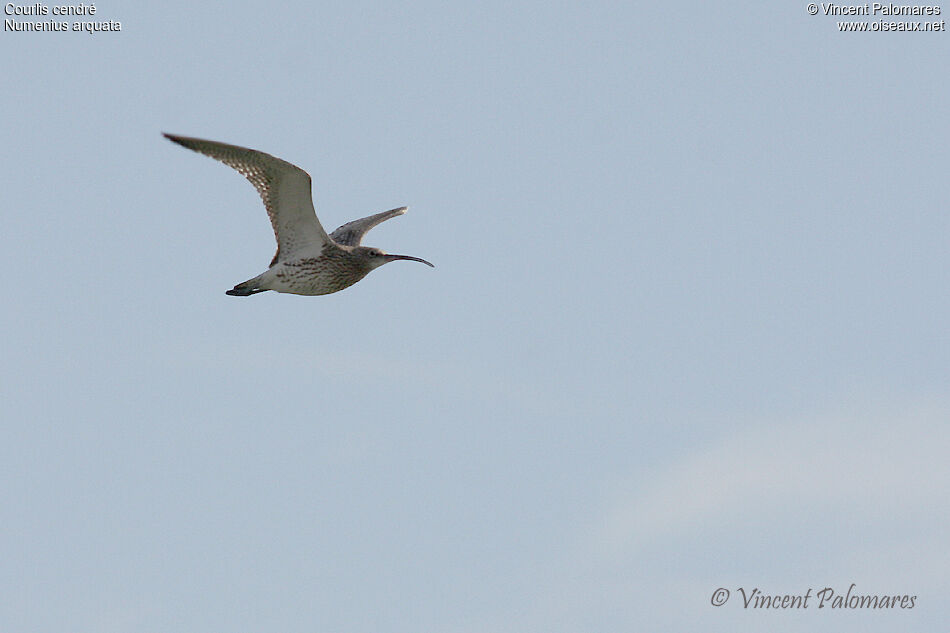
{"points": [[308, 261]]}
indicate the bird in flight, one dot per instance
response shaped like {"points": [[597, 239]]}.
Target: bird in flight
{"points": [[308, 261]]}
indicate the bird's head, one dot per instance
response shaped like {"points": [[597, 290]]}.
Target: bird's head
{"points": [[375, 258]]}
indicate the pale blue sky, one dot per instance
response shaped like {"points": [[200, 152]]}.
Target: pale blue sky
{"points": [[687, 327]]}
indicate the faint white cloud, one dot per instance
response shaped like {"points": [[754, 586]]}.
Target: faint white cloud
{"points": [[877, 462]]}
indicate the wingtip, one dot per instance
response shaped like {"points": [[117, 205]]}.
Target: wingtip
{"points": [[174, 138], [188, 142]]}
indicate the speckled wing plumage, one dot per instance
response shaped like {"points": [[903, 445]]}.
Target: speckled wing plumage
{"points": [[284, 188], [351, 233]]}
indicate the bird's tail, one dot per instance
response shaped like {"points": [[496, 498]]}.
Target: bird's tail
{"points": [[247, 288]]}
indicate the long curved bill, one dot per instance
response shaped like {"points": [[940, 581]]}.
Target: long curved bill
{"points": [[392, 258]]}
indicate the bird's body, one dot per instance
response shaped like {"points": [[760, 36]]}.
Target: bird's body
{"points": [[308, 261], [334, 269]]}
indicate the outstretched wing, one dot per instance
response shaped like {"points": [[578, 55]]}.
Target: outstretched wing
{"points": [[284, 188], [351, 233]]}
